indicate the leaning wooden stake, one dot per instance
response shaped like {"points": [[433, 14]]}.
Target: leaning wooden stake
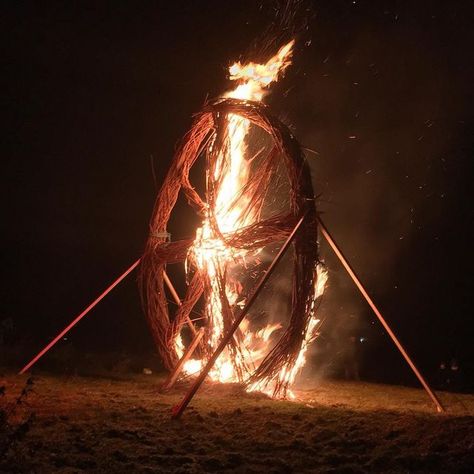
{"points": [[170, 381], [178, 409], [134, 265], [78, 318], [359, 285]]}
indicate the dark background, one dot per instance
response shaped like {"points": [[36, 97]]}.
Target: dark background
{"points": [[93, 94]]}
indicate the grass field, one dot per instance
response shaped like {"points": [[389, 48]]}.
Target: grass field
{"points": [[99, 424]]}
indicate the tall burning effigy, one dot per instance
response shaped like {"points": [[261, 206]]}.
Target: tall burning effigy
{"points": [[257, 186]]}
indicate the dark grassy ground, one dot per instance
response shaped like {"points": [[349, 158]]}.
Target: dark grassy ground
{"points": [[98, 424]]}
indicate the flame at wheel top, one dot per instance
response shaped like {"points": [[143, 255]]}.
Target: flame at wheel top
{"points": [[256, 78]]}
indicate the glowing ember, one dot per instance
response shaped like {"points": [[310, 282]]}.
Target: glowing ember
{"points": [[230, 212]]}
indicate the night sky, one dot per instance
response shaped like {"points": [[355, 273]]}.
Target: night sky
{"points": [[96, 96]]}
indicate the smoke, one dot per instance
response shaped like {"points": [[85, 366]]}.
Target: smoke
{"points": [[378, 104]]}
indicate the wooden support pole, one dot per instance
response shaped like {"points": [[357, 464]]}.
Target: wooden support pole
{"points": [[178, 301], [78, 318], [178, 409], [93, 304], [170, 381], [356, 280]]}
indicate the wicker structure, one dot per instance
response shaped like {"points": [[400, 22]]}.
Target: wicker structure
{"points": [[206, 139]]}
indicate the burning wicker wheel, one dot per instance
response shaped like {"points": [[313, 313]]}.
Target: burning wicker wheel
{"points": [[211, 137]]}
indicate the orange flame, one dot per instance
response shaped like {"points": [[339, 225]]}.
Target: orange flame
{"points": [[213, 256]]}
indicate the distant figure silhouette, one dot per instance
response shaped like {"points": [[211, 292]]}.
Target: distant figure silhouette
{"points": [[449, 375]]}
